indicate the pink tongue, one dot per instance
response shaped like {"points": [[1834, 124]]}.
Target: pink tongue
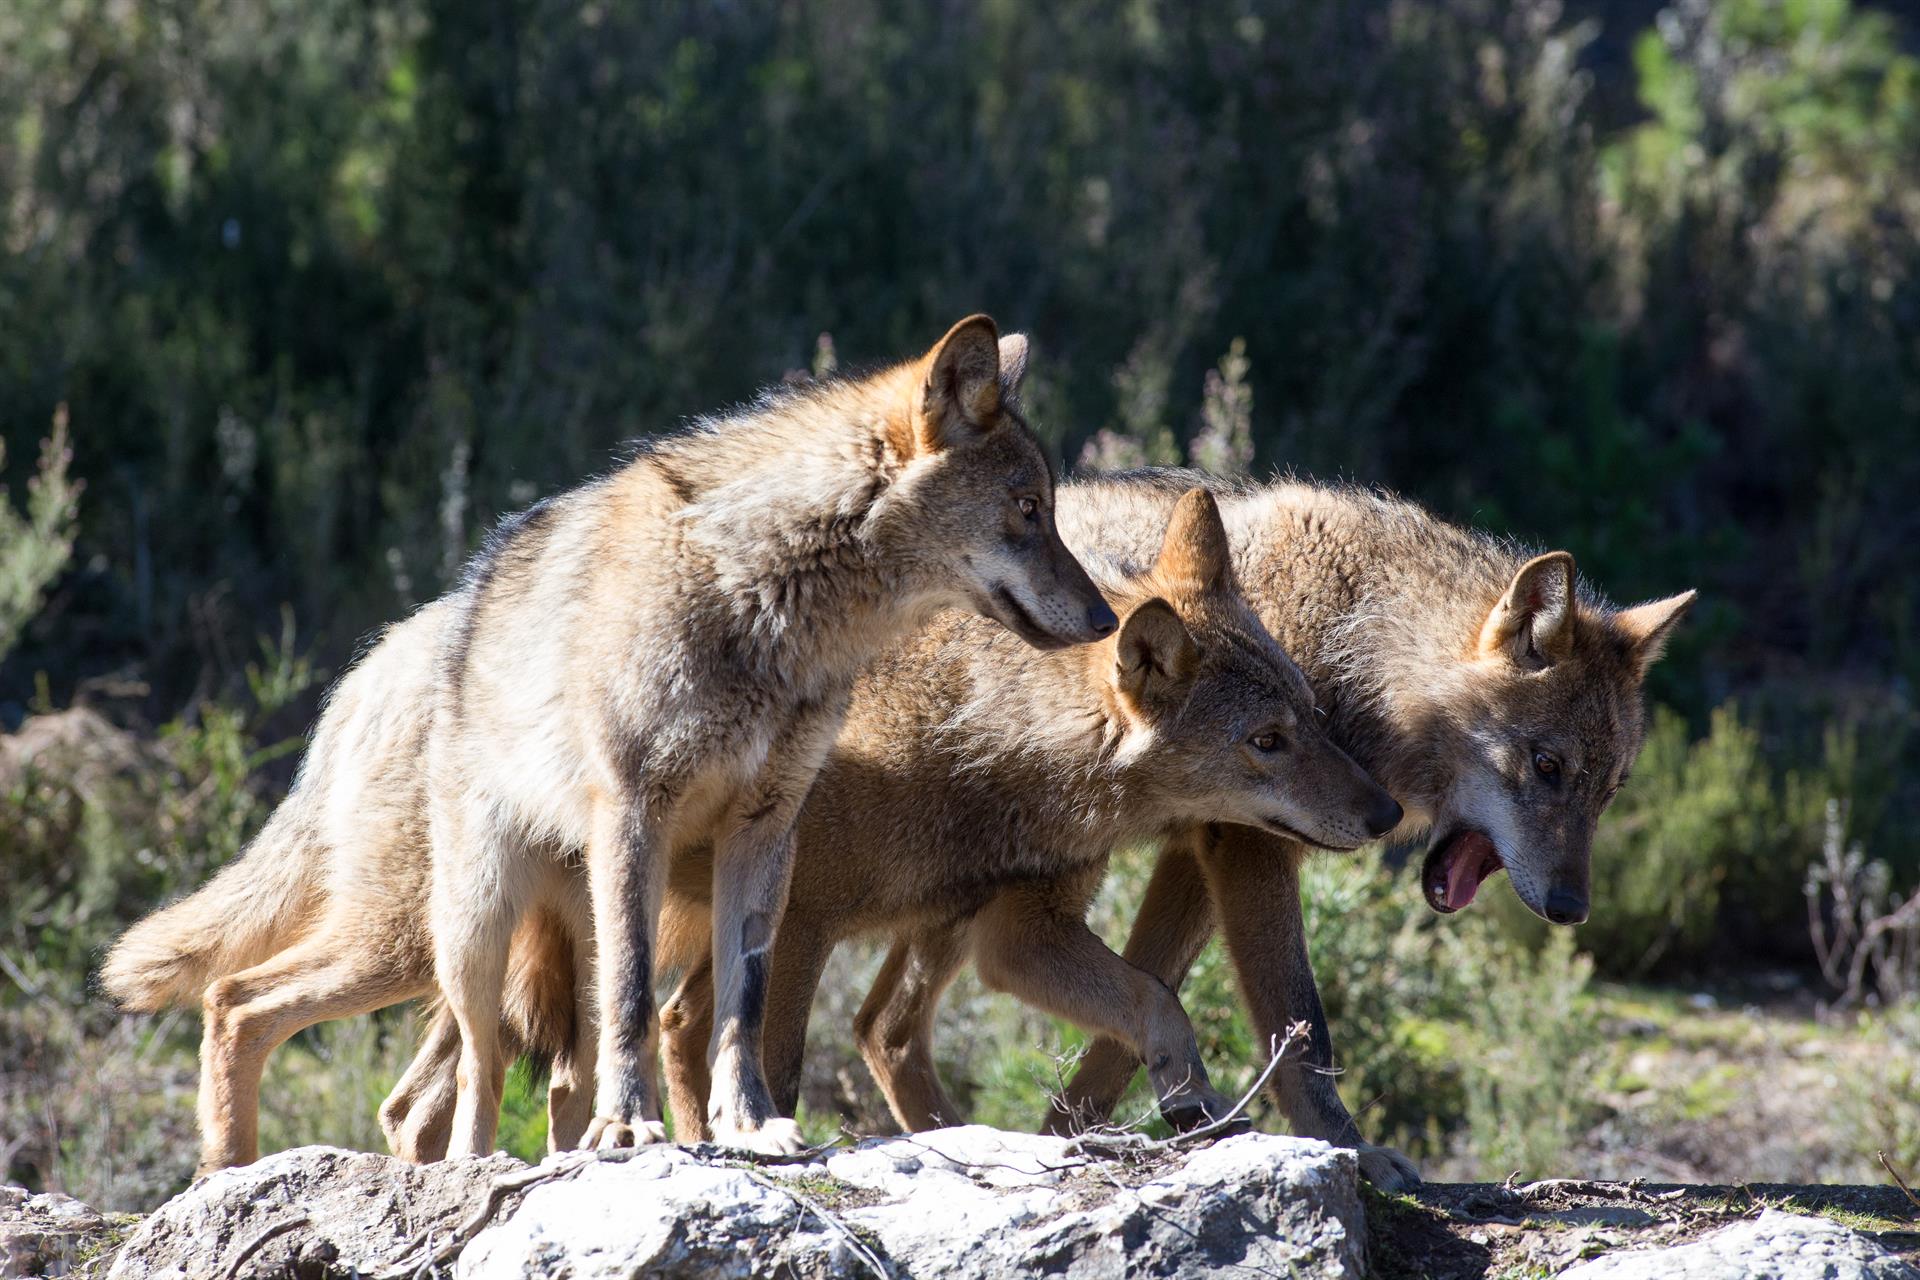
{"points": [[1466, 868]]}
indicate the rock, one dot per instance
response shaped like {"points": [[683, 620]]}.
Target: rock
{"points": [[1774, 1246], [311, 1212], [955, 1202], [48, 1234]]}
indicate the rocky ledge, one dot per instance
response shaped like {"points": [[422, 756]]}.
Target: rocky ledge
{"points": [[956, 1202]]}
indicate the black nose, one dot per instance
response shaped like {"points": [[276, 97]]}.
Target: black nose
{"points": [[1100, 619], [1565, 907], [1384, 815]]}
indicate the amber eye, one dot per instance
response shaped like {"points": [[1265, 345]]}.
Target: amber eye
{"points": [[1546, 766], [1268, 741], [1029, 507]]}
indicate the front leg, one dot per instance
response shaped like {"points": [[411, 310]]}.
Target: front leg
{"points": [[894, 1027], [752, 867], [1254, 879], [1174, 923], [626, 874], [1033, 942], [750, 889]]}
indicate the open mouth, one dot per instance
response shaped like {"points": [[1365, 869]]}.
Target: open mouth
{"points": [[1023, 624], [1456, 866]]}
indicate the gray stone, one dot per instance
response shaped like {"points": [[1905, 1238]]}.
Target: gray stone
{"points": [[1774, 1246], [311, 1212], [956, 1202], [48, 1234]]}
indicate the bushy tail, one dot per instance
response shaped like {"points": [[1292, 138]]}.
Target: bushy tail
{"points": [[256, 905]]}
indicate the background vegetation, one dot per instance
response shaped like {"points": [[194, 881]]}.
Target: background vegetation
{"points": [[325, 287]]}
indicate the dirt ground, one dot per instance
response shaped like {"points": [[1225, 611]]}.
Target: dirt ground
{"points": [[1735, 1084]]}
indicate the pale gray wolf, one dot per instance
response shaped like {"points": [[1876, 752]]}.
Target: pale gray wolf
{"points": [[658, 657]]}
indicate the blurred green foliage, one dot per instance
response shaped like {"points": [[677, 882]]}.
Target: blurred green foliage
{"points": [[329, 285], [37, 541]]}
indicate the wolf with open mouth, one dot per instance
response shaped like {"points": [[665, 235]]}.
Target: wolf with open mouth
{"points": [[1493, 694]]}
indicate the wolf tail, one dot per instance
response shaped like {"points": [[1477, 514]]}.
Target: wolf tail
{"points": [[252, 908]]}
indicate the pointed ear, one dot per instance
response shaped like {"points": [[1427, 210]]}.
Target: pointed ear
{"points": [[1013, 366], [1154, 657], [1533, 622], [1647, 627], [961, 395], [1194, 554]]}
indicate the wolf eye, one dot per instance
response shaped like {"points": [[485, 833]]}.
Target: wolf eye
{"points": [[1546, 766], [1029, 507], [1268, 741]]}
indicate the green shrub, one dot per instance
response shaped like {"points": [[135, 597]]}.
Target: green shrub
{"points": [[1530, 1055], [35, 544], [1881, 1111]]}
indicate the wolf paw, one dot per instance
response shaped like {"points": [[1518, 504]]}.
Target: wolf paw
{"points": [[775, 1137], [607, 1134], [1198, 1108], [1386, 1168]]}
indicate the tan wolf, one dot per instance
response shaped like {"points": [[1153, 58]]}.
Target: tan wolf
{"points": [[656, 658], [976, 792]]}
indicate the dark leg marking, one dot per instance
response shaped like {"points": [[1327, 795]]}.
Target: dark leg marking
{"points": [[753, 990]]}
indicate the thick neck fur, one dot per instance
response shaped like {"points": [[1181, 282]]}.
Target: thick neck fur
{"points": [[793, 507], [1054, 733]]}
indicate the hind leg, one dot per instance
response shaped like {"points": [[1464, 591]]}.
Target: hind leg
{"points": [[542, 1017], [549, 1001], [571, 1087], [251, 1013], [894, 1027], [482, 880], [686, 1025], [417, 1116]]}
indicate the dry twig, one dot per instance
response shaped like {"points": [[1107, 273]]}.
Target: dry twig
{"points": [[1899, 1181], [1108, 1143]]}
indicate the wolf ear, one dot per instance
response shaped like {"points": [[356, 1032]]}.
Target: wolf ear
{"points": [[961, 396], [1647, 627], [1194, 553], [1155, 656], [1533, 623], [1013, 366]]}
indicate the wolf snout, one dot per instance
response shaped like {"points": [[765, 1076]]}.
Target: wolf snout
{"points": [[1101, 619], [1564, 906], [1383, 815]]}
